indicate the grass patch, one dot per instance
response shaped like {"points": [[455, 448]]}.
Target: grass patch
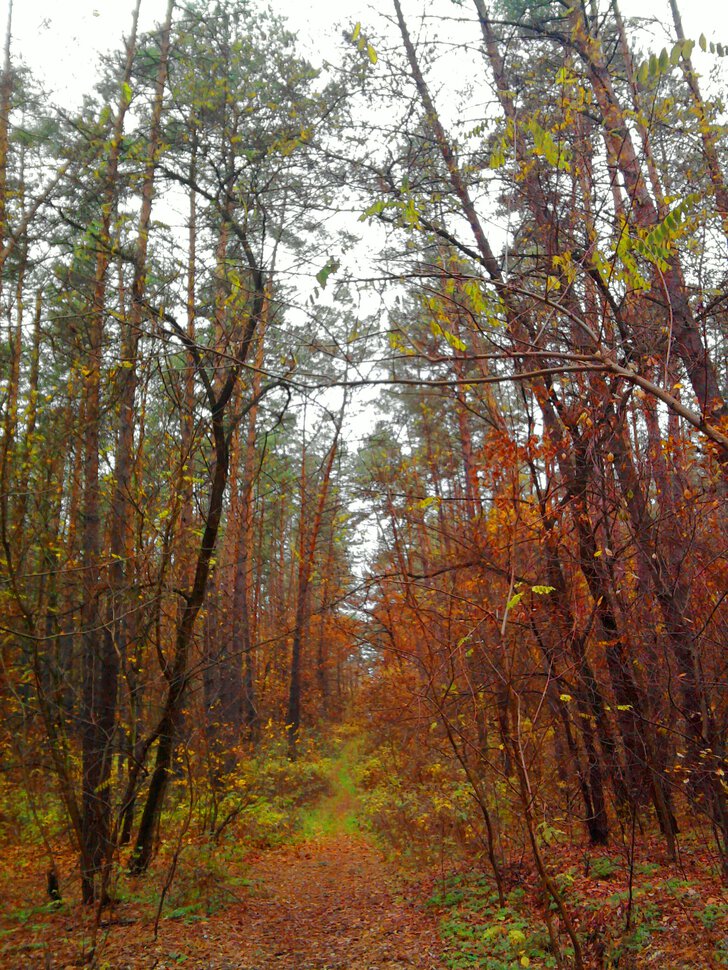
{"points": [[337, 813], [603, 868], [481, 933]]}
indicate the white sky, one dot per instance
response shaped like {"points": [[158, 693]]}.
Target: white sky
{"points": [[61, 40]]}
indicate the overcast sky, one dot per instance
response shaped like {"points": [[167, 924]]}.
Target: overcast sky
{"points": [[61, 40]]}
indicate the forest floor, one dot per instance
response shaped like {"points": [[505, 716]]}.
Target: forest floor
{"points": [[331, 900]]}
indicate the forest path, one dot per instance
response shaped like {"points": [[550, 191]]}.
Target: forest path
{"points": [[330, 902], [336, 812]]}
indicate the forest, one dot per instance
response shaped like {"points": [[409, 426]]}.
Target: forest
{"points": [[363, 477]]}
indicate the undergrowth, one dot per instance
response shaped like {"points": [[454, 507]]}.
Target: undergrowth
{"points": [[420, 806], [212, 820], [415, 808], [482, 933]]}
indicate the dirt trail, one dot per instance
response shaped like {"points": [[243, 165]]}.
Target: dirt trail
{"points": [[331, 902], [330, 905]]}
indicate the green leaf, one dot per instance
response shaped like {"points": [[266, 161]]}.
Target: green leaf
{"points": [[703, 42], [323, 274], [514, 600], [410, 214], [379, 206], [357, 30], [372, 54], [542, 590], [126, 92]]}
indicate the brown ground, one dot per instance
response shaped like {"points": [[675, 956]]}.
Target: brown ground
{"points": [[333, 902], [329, 904]]}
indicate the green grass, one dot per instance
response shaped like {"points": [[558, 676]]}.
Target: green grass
{"points": [[481, 933], [603, 868], [337, 813]]}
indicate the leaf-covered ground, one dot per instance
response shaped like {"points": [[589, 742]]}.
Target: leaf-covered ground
{"points": [[329, 904], [331, 900], [677, 920]]}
